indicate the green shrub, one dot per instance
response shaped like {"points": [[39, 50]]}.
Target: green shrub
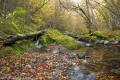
{"points": [[97, 33]]}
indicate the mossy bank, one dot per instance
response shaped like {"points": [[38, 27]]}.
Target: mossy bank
{"points": [[50, 36], [56, 36]]}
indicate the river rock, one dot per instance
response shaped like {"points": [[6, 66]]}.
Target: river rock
{"points": [[117, 42], [58, 50], [88, 45], [75, 74], [80, 55], [76, 68], [102, 42], [112, 40], [33, 61], [47, 49], [90, 77], [82, 42], [37, 45], [71, 55], [85, 43], [106, 42]]}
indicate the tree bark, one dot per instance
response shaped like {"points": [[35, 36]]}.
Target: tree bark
{"points": [[11, 40]]}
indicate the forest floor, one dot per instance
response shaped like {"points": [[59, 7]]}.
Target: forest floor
{"points": [[34, 64], [37, 65]]}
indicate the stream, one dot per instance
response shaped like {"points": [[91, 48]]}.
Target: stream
{"points": [[105, 61]]}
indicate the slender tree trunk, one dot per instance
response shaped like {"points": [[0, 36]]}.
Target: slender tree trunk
{"points": [[88, 14]]}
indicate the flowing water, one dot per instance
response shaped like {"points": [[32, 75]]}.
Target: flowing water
{"points": [[104, 60]]}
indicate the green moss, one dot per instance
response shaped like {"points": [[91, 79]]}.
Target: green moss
{"points": [[118, 34], [3, 52], [44, 40], [109, 37], [4, 68], [99, 34], [85, 37], [66, 41], [116, 37], [25, 45], [55, 35], [21, 34], [14, 48], [17, 48], [20, 46], [112, 36]]}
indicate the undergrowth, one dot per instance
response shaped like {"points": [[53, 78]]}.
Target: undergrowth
{"points": [[17, 48]]}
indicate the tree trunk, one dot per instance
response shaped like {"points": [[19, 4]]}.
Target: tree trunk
{"points": [[11, 40]]}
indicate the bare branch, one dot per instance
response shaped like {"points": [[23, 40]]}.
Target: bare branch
{"points": [[106, 8], [39, 7]]}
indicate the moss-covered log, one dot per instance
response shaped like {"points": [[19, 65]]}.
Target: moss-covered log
{"points": [[11, 40]]}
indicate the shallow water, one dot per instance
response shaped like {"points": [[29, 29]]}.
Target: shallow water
{"points": [[103, 62], [105, 59]]}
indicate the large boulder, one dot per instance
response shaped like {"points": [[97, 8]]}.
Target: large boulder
{"points": [[56, 36]]}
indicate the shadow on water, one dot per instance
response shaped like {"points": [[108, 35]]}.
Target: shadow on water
{"points": [[105, 59]]}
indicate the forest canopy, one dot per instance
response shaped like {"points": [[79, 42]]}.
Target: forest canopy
{"points": [[27, 15]]}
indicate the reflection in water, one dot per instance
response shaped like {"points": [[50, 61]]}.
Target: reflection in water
{"points": [[105, 59]]}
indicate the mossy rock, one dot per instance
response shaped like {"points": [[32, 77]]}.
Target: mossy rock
{"points": [[109, 37], [99, 34], [55, 36], [85, 37]]}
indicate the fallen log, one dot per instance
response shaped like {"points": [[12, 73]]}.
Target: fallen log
{"points": [[11, 40]]}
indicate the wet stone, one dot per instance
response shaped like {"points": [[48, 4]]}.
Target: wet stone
{"points": [[47, 49], [69, 64], [71, 56], [90, 77], [89, 45], [106, 42], [80, 56], [58, 50], [76, 73]]}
